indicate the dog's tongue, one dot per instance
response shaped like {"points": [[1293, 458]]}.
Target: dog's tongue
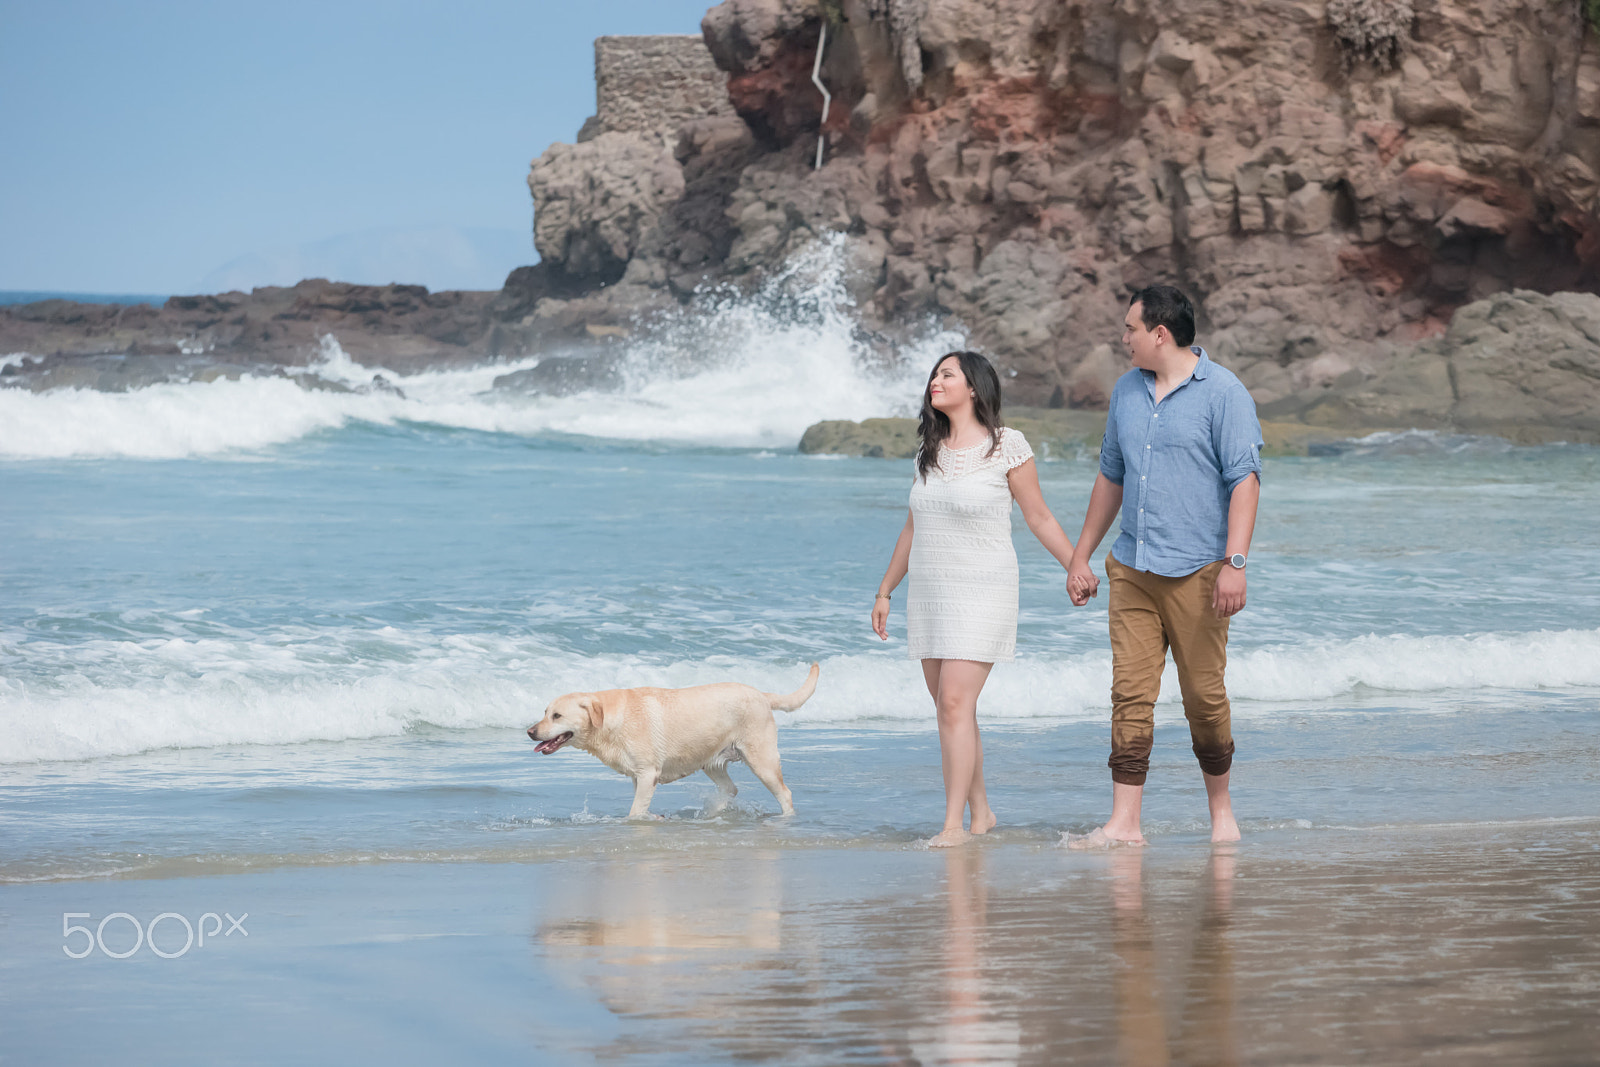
{"points": [[547, 747]]}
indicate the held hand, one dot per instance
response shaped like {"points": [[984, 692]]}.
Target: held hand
{"points": [[1228, 597], [1081, 582], [880, 618]]}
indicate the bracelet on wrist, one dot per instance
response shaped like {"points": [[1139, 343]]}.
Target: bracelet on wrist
{"points": [[883, 596]]}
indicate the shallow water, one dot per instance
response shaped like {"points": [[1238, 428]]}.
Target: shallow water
{"points": [[341, 639]]}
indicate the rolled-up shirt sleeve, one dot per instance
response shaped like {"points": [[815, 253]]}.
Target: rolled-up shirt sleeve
{"points": [[1236, 435], [1111, 464]]}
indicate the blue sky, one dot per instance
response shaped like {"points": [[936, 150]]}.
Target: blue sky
{"points": [[149, 144]]}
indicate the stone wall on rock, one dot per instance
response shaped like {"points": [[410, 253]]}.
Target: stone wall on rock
{"points": [[626, 196], [653, 85], [1329, 196]]}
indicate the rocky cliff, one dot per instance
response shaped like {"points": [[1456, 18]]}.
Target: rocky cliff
{"points": [[1331, 179]]}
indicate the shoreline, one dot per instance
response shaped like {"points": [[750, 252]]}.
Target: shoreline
{"points": [[1030, 840]]}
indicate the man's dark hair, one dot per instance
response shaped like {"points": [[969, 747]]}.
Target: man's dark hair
{"points": [[1166, 306]]}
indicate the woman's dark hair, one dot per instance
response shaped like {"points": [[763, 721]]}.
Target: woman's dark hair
{"points": [[1166, 306], [934, 426]]}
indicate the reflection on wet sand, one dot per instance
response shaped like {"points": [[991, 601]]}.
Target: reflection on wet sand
{"points": [[977, 1023], [1204, 1027], [1141, 1024], [1184, 955], [635, 903], [1208, 1028]]}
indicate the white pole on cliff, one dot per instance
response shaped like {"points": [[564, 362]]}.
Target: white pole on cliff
{"points": [[827, 97]]}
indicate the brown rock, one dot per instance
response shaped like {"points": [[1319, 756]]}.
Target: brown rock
{"points": [[1521, 365], [596, 201], [1321, 180]]}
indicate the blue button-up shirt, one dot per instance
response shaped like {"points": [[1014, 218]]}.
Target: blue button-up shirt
{"points": [[1178, 462]]}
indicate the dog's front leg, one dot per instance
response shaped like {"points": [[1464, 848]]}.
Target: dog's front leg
{"points": [[644, 787]]}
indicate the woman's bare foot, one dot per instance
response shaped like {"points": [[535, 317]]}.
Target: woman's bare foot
{"points": [[1224, 829], [1100, 837], [950, 838], [982, 824]]}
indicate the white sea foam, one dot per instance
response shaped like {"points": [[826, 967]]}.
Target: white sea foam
{"points": [[737, 371], [123, 697]]}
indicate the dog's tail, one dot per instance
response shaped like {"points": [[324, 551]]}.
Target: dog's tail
{"points": [[799, 696]]}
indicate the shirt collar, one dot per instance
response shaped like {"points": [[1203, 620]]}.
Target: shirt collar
{"points": [[1202, 370]]}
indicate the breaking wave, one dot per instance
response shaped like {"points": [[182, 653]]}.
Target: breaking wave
{"points": [[124, 697], [732, 370]]}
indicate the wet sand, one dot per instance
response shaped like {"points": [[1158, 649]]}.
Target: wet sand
{"points": [[1451, 944]]}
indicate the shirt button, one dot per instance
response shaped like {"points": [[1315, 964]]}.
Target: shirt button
{"points": [[1155, 416]]}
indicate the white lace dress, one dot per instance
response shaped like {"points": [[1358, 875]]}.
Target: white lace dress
{"points": [[963, 598]]}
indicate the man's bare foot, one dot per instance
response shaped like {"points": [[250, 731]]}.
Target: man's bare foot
{"points": [[1223, 826], [950, 838], [982, 824], [1100, 837]]}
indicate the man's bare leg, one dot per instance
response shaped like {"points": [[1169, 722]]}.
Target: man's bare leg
{"points": [[1123, 826], [1223, 826]]}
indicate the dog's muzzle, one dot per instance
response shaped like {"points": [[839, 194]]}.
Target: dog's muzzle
{"points": [[547, 747]]}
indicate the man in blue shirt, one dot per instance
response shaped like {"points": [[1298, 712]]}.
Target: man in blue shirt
{"points": [[1181, 460]]}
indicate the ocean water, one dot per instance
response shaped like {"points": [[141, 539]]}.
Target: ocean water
{"points": [[257, 631], [247, 623]]}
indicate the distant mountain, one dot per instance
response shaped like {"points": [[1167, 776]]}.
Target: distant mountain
{"points": [[440, 258], [33, 296]]}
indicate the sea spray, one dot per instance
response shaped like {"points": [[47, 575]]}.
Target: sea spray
{"points": [[729, 370], [756, 370]]}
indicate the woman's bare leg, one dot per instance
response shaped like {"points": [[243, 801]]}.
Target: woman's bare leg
{"points": [[983, 817], [961, 751]]}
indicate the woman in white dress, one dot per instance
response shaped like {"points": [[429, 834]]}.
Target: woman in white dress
{"points": [[961, 615]]}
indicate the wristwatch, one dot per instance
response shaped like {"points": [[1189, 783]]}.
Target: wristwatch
{"points": [[1236, 561]]}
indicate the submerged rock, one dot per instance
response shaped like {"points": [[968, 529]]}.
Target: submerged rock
{"points": [[876, 438], [565, 375], [896, 438], [1050, 432]]}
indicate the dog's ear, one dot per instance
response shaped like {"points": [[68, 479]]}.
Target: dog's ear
{"points": [[597, 711]]}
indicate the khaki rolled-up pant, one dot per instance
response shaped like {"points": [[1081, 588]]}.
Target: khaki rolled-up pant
{"points": [[1149, 614]]}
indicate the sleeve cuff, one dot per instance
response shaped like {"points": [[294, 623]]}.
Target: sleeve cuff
{"points": [[1239, 474]]}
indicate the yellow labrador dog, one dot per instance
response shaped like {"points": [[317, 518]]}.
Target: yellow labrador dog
{"points": [[655, 736]]}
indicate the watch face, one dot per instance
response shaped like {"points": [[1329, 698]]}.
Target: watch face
{"points": [[1237, 559]]}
